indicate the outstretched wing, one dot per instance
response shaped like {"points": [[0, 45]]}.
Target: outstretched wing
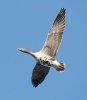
{"points": [[55, 35], [39, 73]]}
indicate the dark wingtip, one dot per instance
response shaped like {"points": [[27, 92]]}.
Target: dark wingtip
{"points": [[63, 10], [35, 84]]}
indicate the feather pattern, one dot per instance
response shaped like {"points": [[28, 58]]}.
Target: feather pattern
{"points": [[55, 35]]}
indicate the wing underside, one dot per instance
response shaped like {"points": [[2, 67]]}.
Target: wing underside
{"points": [[39, 73], [55, 35]]}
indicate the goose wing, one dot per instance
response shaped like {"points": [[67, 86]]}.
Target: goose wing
{"points": [[55, 35], [39, 73]]}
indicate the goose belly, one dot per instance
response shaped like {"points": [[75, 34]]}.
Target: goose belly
{"points": [[44, 61]]}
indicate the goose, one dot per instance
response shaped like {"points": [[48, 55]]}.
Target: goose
{"points": [[45, 58]]}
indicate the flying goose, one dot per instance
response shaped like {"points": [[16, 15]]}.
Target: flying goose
{"points": [[46, 57]]}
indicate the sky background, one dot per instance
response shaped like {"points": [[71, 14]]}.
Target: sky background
{"points": [[25, 23]]}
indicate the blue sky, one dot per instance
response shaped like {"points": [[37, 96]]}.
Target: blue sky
{"points": [[25, 23]]}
